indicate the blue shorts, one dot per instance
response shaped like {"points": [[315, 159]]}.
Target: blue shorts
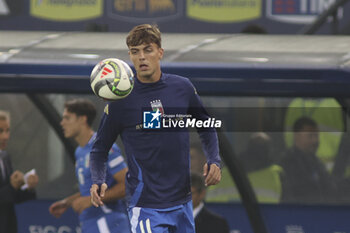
{"points": [[109, 223], [177, 219]]}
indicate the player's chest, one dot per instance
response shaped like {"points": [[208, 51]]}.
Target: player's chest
{"points": [[164, 100]]}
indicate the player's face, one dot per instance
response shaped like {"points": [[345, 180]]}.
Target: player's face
{"points": [[146, 59], [4, 133], [307, 140], [70, 124]]}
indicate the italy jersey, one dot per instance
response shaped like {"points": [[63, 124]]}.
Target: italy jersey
{"points": [[158, 159], [115, 164]]}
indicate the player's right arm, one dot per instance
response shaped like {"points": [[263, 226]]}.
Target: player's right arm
{"points": [[97, 192], [59, 207], [114, 193], [106, 135], [117, 191]]}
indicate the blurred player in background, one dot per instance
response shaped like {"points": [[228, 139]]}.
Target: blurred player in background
{"points": [[11, 182], [77, 119], [158, 181]]}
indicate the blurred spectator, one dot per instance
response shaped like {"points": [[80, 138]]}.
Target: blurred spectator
{"points": [[305, 178], [257, 154], [263, 173], [328, 114], [12, 190], [205, 220]]}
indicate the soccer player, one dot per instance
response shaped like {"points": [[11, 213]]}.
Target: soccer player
{"points": [[78, 116], [158, 182]]}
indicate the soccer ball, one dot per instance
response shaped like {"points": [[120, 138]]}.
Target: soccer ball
{"points": [[112, 79]]}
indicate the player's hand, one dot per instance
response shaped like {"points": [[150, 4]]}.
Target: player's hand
{"points": [[212, 175], [81, 203], [32, 181], [97, 193], [58, 208], [17, 179]]}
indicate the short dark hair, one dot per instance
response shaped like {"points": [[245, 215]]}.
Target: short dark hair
{"points": [[197, 182], [144, 33], [82, 107], [300, 123]]}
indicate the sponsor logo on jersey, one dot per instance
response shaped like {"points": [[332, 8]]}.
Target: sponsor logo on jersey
{"points": [[141, 10], [66, 10], [223, 11], [298, 11]]}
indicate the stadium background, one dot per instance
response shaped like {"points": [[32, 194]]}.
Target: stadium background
{"points": [[46, 58]]}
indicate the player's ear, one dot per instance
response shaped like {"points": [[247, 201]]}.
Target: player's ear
{"points": [[161, 52]]}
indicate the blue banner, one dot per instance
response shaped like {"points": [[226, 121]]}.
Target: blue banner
{"points": [[283, 218], [34, 217]]}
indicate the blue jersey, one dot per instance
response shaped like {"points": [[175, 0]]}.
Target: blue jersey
{"points": [[82, 170], [158, 160]]}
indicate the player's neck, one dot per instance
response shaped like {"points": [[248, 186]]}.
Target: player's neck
{"points": [[84, 136]]}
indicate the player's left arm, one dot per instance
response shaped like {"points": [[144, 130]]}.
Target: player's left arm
{"points": [[100, 195], [212, 174], [209, 139], [212, 169]]}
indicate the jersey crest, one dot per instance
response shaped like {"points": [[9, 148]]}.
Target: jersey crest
{"points": [[157, 105]]}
